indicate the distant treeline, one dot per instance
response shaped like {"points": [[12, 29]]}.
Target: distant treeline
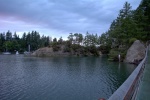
{"points": [[12, 42]]}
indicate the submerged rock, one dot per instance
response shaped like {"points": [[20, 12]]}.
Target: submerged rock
{"points": [[135, 53]]}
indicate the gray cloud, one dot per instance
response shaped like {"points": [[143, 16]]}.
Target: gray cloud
{"points": [[65, 16]]}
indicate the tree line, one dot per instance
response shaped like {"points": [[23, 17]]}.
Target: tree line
{"points": [[11, 42]]}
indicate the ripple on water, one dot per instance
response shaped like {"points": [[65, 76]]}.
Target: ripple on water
{"points": [[72, 78]]}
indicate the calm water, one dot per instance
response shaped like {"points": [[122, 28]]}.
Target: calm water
{"points": [[60, 78]]}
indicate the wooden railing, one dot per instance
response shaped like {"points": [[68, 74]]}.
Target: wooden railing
{"points": [[128, 90]]}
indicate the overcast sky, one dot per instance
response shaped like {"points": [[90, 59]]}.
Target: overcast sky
{"points": [[57, 18]]}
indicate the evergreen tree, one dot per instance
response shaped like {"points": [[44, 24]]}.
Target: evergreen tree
{"points": [[8, 36], [142, 18], [124, 27]]}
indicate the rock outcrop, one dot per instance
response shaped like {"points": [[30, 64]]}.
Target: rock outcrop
{"points": [[135, 53], [66, 50], [47, 51]]}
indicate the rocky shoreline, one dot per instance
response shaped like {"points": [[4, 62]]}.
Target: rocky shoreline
{"points": [[49, 52], [134, 54]]}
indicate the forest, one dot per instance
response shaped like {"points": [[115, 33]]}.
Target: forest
{"points": [[130, 25], [11, 42]]}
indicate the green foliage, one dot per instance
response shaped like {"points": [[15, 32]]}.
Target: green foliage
{"points": [[113, 55], [56, 48], [123, 27], [142, 18], [104, 49], [70, 37], [131, 23], [12, 43], [91, 39], [55, 40], [67, 49], [8, 36], [55, 45], [75, 47], [131, 40], [60, 41], [75, 38], [129, 26], [93, 50]]}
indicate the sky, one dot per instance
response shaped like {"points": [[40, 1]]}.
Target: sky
{"points": [[56, 18]]}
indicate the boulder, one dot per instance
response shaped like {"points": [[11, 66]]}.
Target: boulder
{"points": [[135, 53]]}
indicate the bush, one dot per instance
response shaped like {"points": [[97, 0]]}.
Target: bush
{"points": [[131, 40], [56, 48], [113, 55], [75, 47], [93, 50], [104, 49], [67, 49]]}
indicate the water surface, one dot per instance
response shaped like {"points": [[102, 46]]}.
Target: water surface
{"points": [[60, 78]]}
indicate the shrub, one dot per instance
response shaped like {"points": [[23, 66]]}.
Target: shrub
{"points": [[75, 47], [93, 50], [131, 40], [113, 55], [104, 49], [56, 48], [66, 49]]}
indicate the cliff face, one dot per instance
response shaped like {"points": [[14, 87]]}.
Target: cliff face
{"points": [[135, 53]]}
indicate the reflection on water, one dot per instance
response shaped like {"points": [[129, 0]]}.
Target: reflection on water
{"points": [[60, 78]]}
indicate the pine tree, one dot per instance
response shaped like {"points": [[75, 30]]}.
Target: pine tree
{"points": [[142, 17]]}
